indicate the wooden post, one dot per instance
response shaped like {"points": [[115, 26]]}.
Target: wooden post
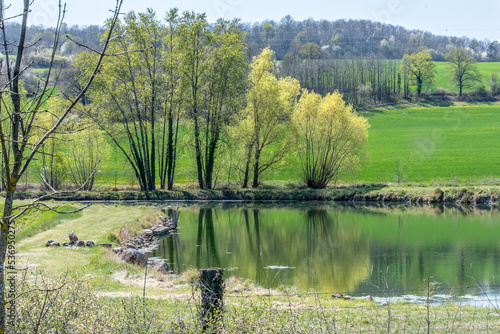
{"points": [[212, 289], [175, 217]]}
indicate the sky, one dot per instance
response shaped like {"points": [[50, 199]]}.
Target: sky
{"points": [[475, 19]]}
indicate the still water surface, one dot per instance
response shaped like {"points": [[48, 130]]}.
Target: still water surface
{"points": [[345, 248]]}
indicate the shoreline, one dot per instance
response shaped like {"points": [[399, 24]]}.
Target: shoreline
{"points": [[377, 193]]}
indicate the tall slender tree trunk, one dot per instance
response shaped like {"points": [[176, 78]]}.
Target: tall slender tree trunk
{"points": [[152, 179], [199, 164], [247, 168], [210, 160], [163, 160], [170, 148], [11, 178], [142, 176], [171, 171], [255, 183]]}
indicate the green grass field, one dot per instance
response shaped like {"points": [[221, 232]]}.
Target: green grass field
{"points": [[449, 145], [433, 144], [440, 144], [443, 75]]}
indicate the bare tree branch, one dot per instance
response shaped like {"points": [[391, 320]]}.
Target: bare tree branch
{"points": [[16, 132], [33, 290], [82, 92], [109, 54], [54, 193], [11, 17]]}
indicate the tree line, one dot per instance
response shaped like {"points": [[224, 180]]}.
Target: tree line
{"points": [[344, 55], [323, 39], [181, 83], [348, 39], [368, 81], [361, 81]]}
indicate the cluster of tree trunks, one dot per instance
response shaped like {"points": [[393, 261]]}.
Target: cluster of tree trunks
{"points": [[360, 81]]}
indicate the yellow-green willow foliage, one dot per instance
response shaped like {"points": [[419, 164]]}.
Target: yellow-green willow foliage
{"points": [[263, 128], [331, 137]]}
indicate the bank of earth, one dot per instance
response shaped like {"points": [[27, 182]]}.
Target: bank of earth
{"points": [[358, 193]]}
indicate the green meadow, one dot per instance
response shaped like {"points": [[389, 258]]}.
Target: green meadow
{"points": [[426, 144], [443, 75], [433, 144], [430, 144], [442, 145]]}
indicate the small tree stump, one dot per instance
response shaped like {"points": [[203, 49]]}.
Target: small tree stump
{"points": [[212, 290]]}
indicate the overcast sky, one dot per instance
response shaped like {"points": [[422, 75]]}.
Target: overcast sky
{"points": [[479, 19]]}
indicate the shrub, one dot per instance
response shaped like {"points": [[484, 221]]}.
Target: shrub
{"points": [[439, 91], [494, 84], [481, 91], [331, 137], [71, 306]]}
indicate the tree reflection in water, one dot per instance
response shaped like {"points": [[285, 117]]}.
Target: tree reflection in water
{"points": [[169, 248], [206, 227], [255, 244], [338, 248], [307, 247], [336, 255]]}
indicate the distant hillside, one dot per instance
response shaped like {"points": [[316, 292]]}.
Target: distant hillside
{"points": [[359, 58], [41, 41], [341, 39], [44, 37], [356, 39]]}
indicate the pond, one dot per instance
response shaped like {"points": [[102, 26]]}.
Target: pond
{"points": [[401, 250]]}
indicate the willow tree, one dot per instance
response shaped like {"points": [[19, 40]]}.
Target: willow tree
{"points": [[213, 69], [167, 151], [331, 137], [19, 120], [270, 103], [86, 149], [127, 94]]}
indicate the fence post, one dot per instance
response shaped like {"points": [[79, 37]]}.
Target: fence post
{"points": [[212, 289]]}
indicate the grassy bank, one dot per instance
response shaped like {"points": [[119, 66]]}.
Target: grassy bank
{"points": [[253, 313], [98, 223], [368, 192]]}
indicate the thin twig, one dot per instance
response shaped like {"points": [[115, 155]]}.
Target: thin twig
{"points": [[32, 290], [109, 54]]}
